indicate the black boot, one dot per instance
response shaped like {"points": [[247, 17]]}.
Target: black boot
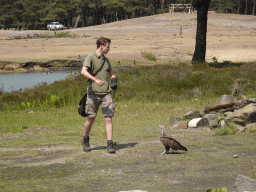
{"points": [[110, 147], [85, 144]]}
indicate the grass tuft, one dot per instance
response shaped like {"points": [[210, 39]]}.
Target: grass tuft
{"points": [[228, 130], [148, 55]]}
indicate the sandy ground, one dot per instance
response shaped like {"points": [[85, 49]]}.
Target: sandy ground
{"points": [[229, 37]]}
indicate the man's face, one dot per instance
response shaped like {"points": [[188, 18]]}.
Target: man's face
{"points": [[106, 48]]}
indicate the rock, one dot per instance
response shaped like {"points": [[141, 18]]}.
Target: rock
{"points": [[192, 115], [235, 156], [20, 70], [174, 120], [180, 125], [227, 113], [244, 183], [198, 122], [38, 68], [251, 127], [240, 104], [12, 66], [224, 99], [252, 100], [243, 116], [222, 124], [213, 119]]}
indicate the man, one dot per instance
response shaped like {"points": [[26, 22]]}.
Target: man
{"points": [[96, 67]]}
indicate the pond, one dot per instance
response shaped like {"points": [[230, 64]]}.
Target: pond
{"points": [[20, 81]]}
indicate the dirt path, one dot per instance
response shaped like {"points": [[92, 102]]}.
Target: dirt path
{"points": [[209, 163], [229, 37]]}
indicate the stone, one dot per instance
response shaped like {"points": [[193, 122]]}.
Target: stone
{"points": [[192, 115], [38, 68], [227, 113], [213, 119], [224, 99], [240, 104], [180, 125], [243, 116], [222, 124], [198, 122], [174, 120], [252, 100], [251, 127], [244, 183], [12, 66], [240, 128]]}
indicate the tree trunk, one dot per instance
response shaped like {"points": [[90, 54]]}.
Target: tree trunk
{"points": [[253, 9], [162, 5], [200, 47], [246, 6], [77, 20]]}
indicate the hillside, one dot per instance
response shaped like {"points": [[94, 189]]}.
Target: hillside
{"points": [[229, 37]]}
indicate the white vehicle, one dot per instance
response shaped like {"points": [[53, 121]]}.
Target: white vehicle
{"points": [[55, 26]]}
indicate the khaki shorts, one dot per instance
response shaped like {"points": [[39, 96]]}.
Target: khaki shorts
{"points": [[93, 103]]}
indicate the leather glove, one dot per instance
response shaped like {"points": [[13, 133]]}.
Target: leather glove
{"points": [[114, 83]]}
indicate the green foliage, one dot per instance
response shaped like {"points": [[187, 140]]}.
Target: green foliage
{"points": [[218, 190], [13, 129], [156, 83], [190, 53], [44, 36], [227, 130], [28, 105], [64, 34], [253, 174], [148, 55], [55, 100], [34, 14]]}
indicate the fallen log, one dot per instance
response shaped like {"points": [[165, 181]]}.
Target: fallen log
{"points": [[228, 106]]}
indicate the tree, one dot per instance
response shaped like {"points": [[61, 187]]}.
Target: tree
{"points": [[202, 7], [113, 9]]}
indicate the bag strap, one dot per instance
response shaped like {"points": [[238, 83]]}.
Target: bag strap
{"points": [[99, 68]]}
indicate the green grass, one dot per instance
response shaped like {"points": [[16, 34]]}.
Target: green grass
{"points": [[148, 55], [227, 130]]}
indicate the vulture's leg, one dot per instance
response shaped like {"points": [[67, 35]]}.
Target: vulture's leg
{"points": [[166, 150]]}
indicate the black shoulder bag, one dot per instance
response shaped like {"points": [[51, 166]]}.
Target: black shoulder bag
{"points": [[81, 108]]}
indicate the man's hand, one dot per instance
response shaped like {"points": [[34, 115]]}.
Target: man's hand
{"points": [[99, 82], [114, 83]]}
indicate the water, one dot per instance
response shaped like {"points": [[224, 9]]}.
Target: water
{"points": [[17, 81]]}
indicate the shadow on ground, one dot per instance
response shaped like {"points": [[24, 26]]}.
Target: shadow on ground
{"points": [[117, 147]]}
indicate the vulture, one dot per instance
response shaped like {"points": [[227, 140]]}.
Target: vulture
{"points": [[170, 142]]}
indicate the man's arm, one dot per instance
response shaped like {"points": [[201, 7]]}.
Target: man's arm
{"points": [[111, 73], [86, 73]]}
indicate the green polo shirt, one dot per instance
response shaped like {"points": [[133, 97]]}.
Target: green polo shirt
{"points": [[94, 62]]}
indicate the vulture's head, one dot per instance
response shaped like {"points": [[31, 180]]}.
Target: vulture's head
{"points": [[162, 129]]}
